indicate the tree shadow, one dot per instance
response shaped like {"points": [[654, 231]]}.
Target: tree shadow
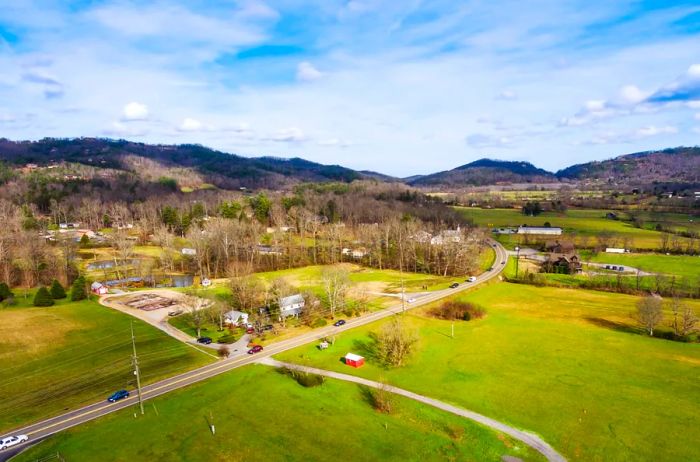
{"points": [[616, 326], [369, 348]]}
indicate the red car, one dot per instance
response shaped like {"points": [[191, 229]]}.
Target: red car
{"points": [[250, 330], [255, 349]]}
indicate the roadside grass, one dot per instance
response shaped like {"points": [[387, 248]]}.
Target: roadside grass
{"points": [[581, 225], [679, 265], [73, 353], [567, 364], [209, 329], [262, 415]]}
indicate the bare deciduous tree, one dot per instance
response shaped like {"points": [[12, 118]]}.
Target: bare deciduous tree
{"points": [[336, 282], [684, 319], [649, 313], [395, 342]]}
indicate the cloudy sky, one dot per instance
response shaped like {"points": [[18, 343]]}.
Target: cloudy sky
{"points": [[401, 87]]}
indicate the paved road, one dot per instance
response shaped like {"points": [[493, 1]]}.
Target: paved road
{"points": [[45, 428], [532, 440]]}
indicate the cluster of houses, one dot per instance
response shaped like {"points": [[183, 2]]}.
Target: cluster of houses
{"points": [[292, 305], [561, 258]]}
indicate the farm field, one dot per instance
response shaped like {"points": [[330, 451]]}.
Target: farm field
{"points": [[585, 223], [327, 422], [566, 364], [679, 265], [74, 353]]}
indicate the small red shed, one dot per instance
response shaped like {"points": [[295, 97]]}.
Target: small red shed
{"points": [[354, 360]]}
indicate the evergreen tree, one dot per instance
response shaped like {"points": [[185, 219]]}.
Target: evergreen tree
{"points": [[78, 291], [57, 290], [5, 291], [43, 297]]}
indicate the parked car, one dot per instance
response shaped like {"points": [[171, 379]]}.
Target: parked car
{"points": [[12, 441], [175, 313], [268, 327], [117, 395], [204, 340], [255, 349], [471, 279], [454, 285], [250, 330], [491, 269], [339, 322]]}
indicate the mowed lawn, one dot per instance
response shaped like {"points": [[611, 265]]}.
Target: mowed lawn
{"points": [[74, 353], [585, 223], [559, 362], [680, 265], [262, 415]]}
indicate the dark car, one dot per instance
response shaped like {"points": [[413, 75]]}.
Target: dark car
{"points": [[491, 269], [204, 340], [255, 349], [268, 327], [454, 285], [117, 395], [503, 263], [339, 322]]}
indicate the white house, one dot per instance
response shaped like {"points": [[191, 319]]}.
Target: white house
{"points": [[539, 230], [237, 318], [292, 305]]}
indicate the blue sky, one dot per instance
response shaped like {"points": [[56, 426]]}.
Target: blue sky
{"points": [[402, 87]]}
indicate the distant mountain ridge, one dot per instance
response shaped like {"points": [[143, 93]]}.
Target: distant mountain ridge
{"points": [[484, 172]]}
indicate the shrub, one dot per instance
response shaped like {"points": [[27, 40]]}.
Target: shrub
{"points": [[320, 322], [5, 291], [43, 297], [78, 290], [9, 301], [305, 379], [228, 338], [57, 290], [223, 351], [381, 399], [456, 310]]}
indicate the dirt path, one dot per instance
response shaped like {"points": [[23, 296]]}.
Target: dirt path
{"points": [[530, 439]]}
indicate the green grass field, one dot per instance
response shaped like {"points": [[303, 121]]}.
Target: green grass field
{"points": [[587, 224], [262, 415], [566, 364], [74, 353], [679, 265]]}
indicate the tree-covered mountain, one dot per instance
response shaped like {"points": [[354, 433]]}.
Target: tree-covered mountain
{"points": [[215, 167], [485, 172], [680, 164]]}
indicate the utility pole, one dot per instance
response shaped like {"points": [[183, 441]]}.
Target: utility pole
{"points": [[517, 260], [137, 371]]}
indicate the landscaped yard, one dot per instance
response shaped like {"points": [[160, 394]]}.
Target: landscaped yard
{"points": [[566, 364], [75, 353], [262, 415], [586, 224]]}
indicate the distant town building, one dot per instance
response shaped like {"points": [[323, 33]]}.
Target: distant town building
{"points": [[188, 251]]}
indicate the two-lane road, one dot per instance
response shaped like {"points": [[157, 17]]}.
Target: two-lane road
{"points": [[45, 428]]}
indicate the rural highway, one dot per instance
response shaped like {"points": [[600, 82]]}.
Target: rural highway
{"points": [[48, 427]]}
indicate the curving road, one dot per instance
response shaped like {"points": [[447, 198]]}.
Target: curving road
{"points": [[48, 427], [532, 440]]}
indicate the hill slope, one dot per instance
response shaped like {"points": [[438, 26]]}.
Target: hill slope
{"points": [[216, 167], [484, 172], [680, 164]]}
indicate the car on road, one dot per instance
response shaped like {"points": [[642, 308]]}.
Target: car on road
{"points": [[175, 313], [204, 340], [339, 322], [12, 441], [255, 349], [411, 300], [503, 262], [471, 279], [117, 395], [491, 269], [454, 285]]}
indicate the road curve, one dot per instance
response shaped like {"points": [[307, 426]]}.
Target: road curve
{"points": [[532, 440], [53, 425]]}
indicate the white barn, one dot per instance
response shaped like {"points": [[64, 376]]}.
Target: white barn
{"points": [[539, 230]]}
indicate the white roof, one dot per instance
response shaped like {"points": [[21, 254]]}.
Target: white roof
{"points": [[353, 357], [95, 285]]}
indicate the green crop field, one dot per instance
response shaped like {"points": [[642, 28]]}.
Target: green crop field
{"points": [[566, 364], [262, 415], [585, 224], [75, 353]]}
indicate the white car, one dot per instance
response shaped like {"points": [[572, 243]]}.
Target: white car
{"points": [[472, 279], [12, 441]]}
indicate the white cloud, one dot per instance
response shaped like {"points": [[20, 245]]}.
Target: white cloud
{"points": [[480, 141], [120, 129], [135, 111], [696, 130], [693, 104], [694, 71], [190, 125], [290, 135], [333, 142], [630, 94], [653, 130], [697, 116], [306, 72], [508, 95]]}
